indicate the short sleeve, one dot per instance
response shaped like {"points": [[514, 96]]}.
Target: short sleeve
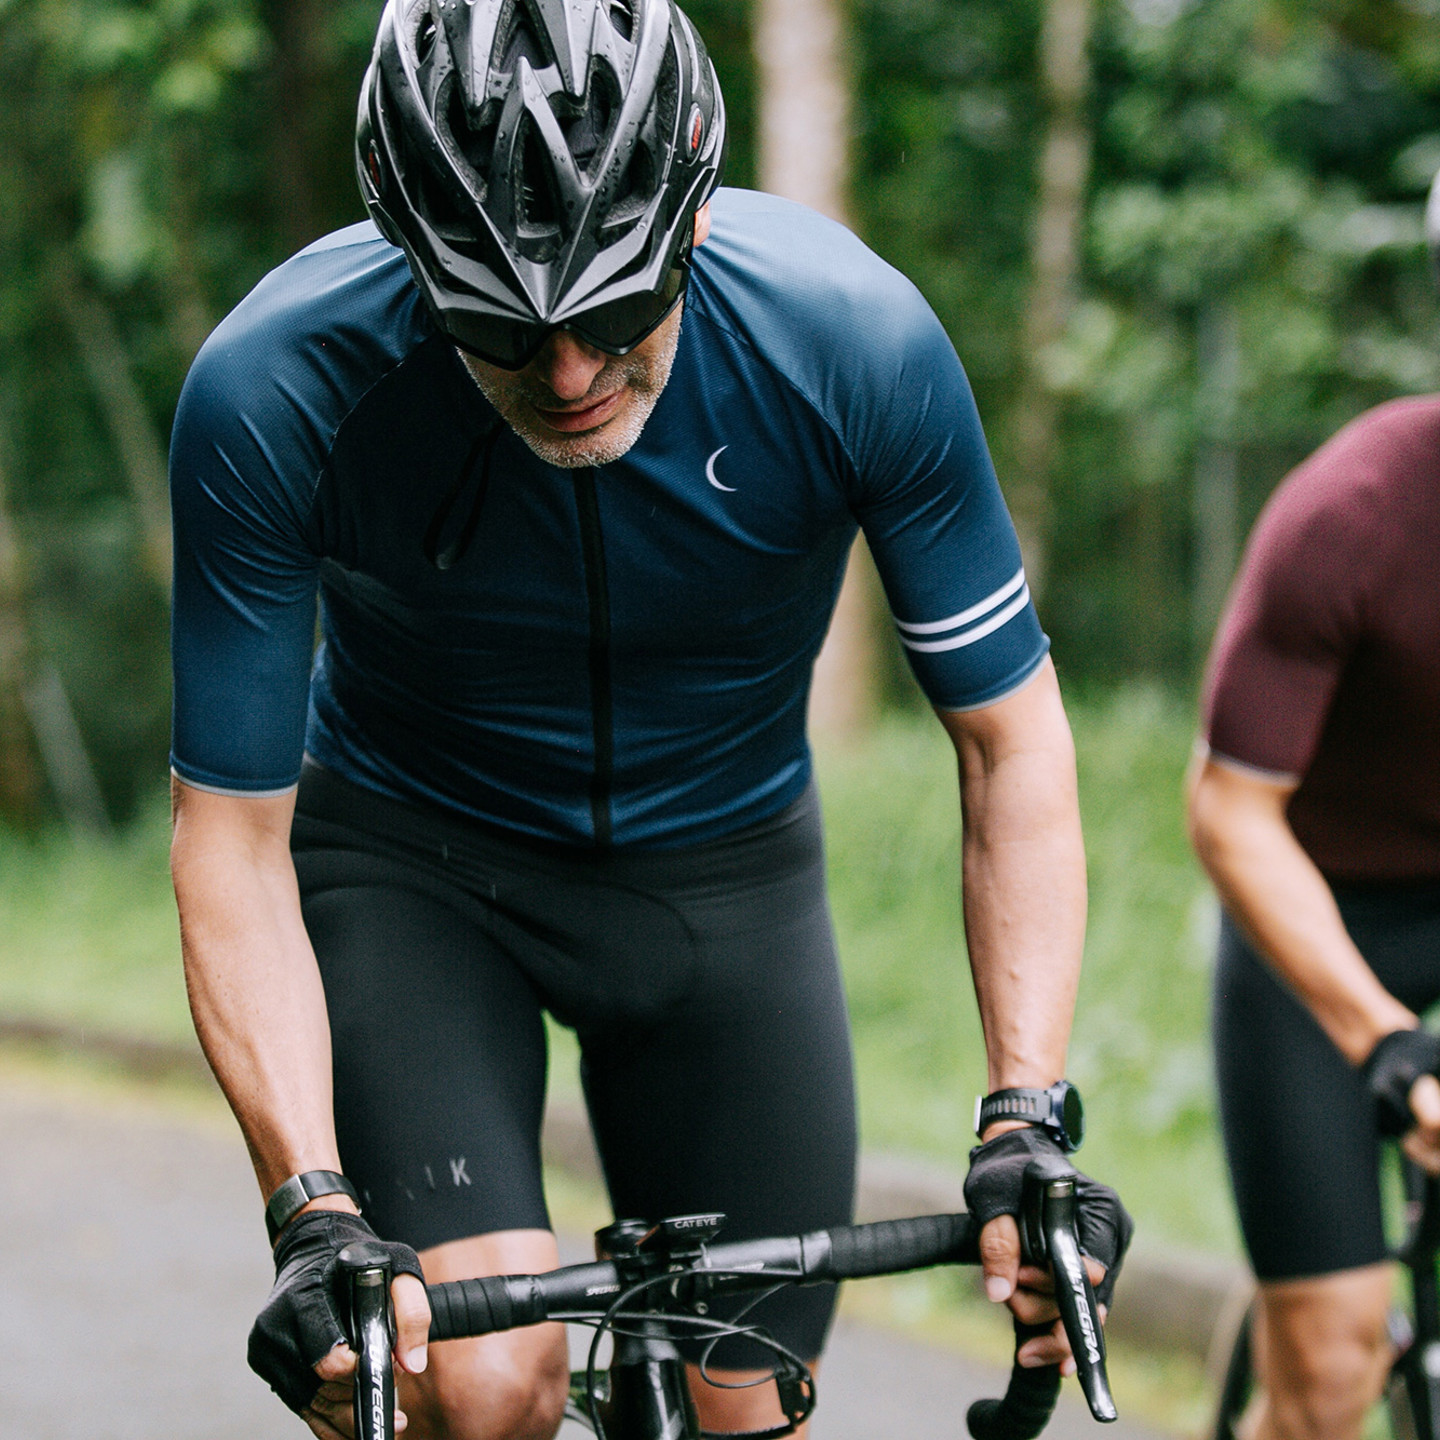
{"points": [[243, 618], [1295, 614], [931, 508]]}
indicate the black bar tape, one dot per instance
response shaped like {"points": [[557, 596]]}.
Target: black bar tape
{"points": [[504, 1302], [1023, 1413], [884, 1247], [469, 1307]]}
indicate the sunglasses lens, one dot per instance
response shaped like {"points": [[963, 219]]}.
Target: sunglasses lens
{"points": [[510, 344], [623, 324], [616, 327]]}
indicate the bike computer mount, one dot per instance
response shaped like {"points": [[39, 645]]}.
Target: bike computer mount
{"points": [[647, 1391]]}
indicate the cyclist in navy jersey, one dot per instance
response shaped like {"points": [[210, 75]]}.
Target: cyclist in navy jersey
{"points": [[572, 446]]}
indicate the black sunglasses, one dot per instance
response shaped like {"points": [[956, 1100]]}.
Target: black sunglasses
{"points": [[616, 327]]}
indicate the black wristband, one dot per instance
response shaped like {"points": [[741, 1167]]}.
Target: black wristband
{"points": [[297, 1192]]}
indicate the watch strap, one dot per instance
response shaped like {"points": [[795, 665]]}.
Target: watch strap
{"points": [[297, 1192], [1035, 1107]]}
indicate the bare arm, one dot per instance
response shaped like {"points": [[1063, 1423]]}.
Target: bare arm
{"points": [[254, 987], [1279, 898], [1024, 892], [259, 1010], [1275, 893], [1024, 877]]}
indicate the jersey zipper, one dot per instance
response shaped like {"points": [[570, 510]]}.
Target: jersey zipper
{"points": [[597, 594]]}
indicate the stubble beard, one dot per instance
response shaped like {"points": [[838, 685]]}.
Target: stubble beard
{"points": [[643, 374]]}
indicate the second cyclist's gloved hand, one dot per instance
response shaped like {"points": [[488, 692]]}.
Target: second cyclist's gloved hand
{"points": [[993, 1187], [303, 1319], [1392, 1067]]}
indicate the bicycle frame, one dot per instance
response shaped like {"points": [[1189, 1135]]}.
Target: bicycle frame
{"points": [[1417, 1367]]}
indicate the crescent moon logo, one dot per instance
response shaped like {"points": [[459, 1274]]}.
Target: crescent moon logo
{"points": [[710, 470]]}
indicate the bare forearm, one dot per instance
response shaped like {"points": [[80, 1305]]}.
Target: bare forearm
{"points": [[1278, 896], [1024, 879], [1024, 882], [255, 993]]}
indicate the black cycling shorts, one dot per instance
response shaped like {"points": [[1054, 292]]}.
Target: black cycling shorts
{"points": [[1298, 1122], [702, 984]]}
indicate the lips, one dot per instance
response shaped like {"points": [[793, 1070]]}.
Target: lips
{"points": [[573, 422]]}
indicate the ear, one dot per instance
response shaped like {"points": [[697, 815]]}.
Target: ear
{"points": [[702, 223]]}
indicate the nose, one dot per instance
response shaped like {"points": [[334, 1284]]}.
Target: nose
{"points": [[567, 365]]}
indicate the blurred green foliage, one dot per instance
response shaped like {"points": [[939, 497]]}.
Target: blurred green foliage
{"points": [[1252, 275]]}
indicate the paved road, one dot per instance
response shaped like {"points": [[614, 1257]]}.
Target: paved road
{"points": [[133, 1260]]}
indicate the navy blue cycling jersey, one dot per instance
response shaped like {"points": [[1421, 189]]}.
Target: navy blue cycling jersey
{"points": [[617, 654]]}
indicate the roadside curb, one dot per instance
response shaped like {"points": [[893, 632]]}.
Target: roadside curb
{"points": [[1175, 1302]]}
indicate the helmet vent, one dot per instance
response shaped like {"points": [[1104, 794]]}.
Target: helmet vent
{"points": [[622, 18], [633, 194], [538, 204], [425, 38], [587, 133], [473, 143]]}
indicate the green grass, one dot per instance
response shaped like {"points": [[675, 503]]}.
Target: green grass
{"points": [[89, 935], [89, 932]]}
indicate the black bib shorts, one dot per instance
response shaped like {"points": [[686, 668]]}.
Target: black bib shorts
{"points": [[1299, 1125], [702, 984]]}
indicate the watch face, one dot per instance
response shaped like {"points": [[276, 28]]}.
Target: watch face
{"points": [[1072, 1114]]}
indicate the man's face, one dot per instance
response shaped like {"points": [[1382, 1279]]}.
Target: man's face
{"points": [[574, 405]]}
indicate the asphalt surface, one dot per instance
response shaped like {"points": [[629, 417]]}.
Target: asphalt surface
{"points": [[133, 1260]]}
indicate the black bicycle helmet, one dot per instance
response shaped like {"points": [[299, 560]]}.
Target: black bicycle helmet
{"points": [[540, 162]]}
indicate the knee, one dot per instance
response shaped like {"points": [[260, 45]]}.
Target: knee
{"points": [[1320, 1386], [504, 1387]]}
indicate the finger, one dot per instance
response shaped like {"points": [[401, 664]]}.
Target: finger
{"points": [[1051, 1348], [1000, 1257], [412, 1322], [320, 1423], [337, 1364], [1425, 1102], [1033, 1308], [1424, 1151], [1095, 1270]]}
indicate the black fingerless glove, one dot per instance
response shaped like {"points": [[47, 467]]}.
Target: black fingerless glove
{"points": [[303, 1320], [996, 1178], [1391, 1068]]}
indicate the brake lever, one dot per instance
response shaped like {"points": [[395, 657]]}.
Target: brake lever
{"points": [[366, 1268], [1049, 1235]]}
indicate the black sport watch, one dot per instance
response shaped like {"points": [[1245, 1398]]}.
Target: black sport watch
{"points": [[1058, 1110]]}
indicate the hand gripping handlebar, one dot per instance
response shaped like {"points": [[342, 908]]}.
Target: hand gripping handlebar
{"points": [[1048, 1235], [703, 1268]]}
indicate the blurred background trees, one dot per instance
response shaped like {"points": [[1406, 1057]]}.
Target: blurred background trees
{"points": [[1176, 243]]}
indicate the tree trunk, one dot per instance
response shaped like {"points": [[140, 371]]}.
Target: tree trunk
{"points": [[133, 430], [19, 773], [1215, 501], [297, 29], [1054, 266], [804, 132]]}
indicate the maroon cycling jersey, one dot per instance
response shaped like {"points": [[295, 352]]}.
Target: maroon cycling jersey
{"points": [[1326, 668]]}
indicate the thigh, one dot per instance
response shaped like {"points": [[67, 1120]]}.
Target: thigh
{"points": [[741, 1100], [1298, 1126], [438, 1044]]}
